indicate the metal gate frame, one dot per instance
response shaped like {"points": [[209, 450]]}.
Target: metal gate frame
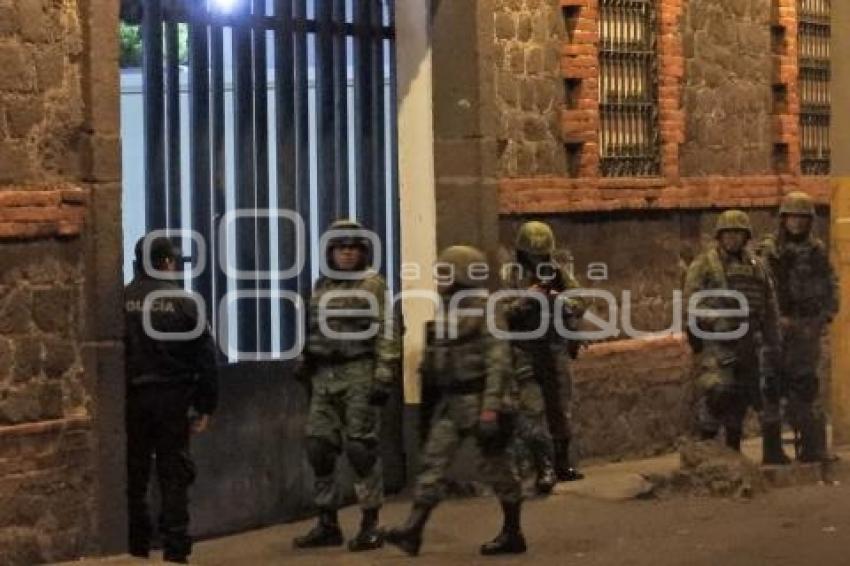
{"points": [[369, 27]]}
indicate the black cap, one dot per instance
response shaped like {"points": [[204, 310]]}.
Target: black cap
{"points": [[160, 249]]}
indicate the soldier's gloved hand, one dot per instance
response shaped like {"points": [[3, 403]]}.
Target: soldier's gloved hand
{"points": [[379, 394], [489, 433]]}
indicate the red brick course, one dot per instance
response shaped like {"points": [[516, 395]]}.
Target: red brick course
{"points": [[545, 195], [33, 212]]}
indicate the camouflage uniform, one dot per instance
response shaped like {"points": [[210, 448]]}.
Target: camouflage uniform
{"points": [[807, 289], [730, 370], [470, 375], [542, 365], [347, 376]]}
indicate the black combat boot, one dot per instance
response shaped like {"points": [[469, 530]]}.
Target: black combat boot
{"points": [[510, 540], [772, 452], [325, 533], [369, 537], [813, 440], [733, 438], [546, 479], [563, 470], [408, 537]]}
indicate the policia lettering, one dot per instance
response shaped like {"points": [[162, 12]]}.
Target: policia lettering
{"points": [[542, 365], [467, 381], [349, 381], [730, 371], [807, 292], [165, 380]]}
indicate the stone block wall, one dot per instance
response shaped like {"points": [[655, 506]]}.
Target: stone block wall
{"points": [[61, 370], [529, 86], [728, 114], [728, 96], [41, 104]]}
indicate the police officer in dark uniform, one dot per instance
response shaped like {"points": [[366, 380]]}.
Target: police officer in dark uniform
{"points": [[171, 392]]}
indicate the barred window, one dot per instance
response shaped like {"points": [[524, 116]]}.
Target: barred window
{"points": [[814, 35], [628, 88]]}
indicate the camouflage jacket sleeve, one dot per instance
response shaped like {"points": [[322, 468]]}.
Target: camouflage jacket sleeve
{"points": [[575, 306], [694, 280], [833, 300], [499, 368], [388, 339], [770, 317]]}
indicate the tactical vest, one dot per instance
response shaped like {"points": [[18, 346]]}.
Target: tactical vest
{"points": [[747, 277], [802, 278], [456, 364], [319, 343]]}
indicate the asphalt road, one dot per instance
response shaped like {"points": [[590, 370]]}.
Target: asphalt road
{"points": [[807, 525]]}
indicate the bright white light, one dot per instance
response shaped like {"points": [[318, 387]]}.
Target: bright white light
{"points": [[224, 5]]}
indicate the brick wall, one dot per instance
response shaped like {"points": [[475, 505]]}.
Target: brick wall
{"points": [[728, 123], [728, 116], [61, 384]]}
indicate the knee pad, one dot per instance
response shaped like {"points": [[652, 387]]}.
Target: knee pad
{"points": [[322, 456], [361, 455]]}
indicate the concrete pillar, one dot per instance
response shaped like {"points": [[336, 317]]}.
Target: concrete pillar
{"points": [[840, 394], [416, 179], [466, 124]]}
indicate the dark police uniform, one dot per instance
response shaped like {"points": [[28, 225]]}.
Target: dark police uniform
{"points": [[165, 380]]}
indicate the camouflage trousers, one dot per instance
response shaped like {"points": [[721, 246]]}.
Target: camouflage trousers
{"points": [[341, 419], [547, 366], [729, 382], [455, 419], [532, 434], [798, 374]]}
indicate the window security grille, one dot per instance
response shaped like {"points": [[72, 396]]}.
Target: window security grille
{"points": [[813, 43], [628, 89]]}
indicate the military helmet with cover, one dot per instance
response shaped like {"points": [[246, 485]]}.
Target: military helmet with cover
{"points": [[535, 238], [351, 232], [734, 220], [463, 266], [797, 203]]}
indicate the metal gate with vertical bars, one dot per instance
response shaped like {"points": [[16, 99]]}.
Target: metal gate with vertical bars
{"points": [[290, 106]]}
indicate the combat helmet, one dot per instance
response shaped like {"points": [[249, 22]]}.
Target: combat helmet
{"points": [[734, 220], [798, 203], [535, 238], [351, 232], [458, 260]]}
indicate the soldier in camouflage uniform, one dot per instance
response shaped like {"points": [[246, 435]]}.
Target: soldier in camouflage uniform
{"points": [[806, 286], [467, 370], [350, 380], [730, 370], [542, 364]]}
